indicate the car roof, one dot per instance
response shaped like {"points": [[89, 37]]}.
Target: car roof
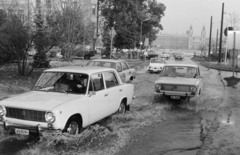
{"points": [[179, 65], [108, 60], [80, 69]]}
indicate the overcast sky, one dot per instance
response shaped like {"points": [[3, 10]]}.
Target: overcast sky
{"points": [[181, 14]]}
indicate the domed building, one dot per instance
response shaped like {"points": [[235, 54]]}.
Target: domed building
{"points": [[181, 41]]}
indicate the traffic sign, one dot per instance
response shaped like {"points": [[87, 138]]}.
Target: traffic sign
{"points": [[233, 40]]}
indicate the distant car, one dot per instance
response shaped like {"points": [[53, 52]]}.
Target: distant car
{"points": [[156, 65], [67, 99], [150, 54], [179, 56], [179, 81], [165, 56], [125, 72]]}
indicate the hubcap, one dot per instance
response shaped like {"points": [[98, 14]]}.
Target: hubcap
{"points": [[73, 128]]}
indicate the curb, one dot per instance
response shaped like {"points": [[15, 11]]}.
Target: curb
{"points": [[219, 69]]}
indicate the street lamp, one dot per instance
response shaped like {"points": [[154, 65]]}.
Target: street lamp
{"points": [[141, 32]]}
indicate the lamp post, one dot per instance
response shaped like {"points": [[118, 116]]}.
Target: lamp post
{"points": [[210, 38], [221, 31], [141, 32]]}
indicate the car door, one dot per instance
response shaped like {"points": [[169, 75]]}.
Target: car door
{"points": [[98, 98], [114, 90], [126, 71], [120, 71]]}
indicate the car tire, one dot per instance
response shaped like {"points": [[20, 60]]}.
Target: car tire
{"points": [[122, 108], [73, 126]]}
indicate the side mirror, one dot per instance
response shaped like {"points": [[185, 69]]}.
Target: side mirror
{"points": [[119, 70], [91, 93]]}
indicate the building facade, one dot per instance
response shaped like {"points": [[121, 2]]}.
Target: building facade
{"points": [[181, 41]]}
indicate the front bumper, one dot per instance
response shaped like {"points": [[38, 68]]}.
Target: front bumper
{"points": [[174, 93], [8, 126], [154, 70]]}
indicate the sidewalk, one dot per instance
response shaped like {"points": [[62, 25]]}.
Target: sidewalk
{"points": [[216, 65], [224, 134]]}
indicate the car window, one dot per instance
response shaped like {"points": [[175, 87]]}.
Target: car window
{"points": [[110, 79], [180, 71], [118, 67], [96, 82], [62, 82], [102, 64], [124, 66]]}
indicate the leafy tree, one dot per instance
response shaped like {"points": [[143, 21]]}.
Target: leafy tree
{"points": [[41, 42], [127, 16], [16, 40]]}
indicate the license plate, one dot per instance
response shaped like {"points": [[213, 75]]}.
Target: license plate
{"points": [[21, 131], [175, 97]]}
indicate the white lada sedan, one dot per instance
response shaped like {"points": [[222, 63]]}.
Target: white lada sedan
{"points": [[125, 72], [179, 81], [67, 99], [156, 65]]}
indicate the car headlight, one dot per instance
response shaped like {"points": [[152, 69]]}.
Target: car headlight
{"points": [[3, 111], [193, 89], [49, 117], [158, 87]]}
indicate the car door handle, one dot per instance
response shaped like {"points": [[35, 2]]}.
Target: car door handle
{"points": [[106, 95], [120, 89]]}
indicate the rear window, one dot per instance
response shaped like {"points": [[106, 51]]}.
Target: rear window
{"points": [[101, 64]]}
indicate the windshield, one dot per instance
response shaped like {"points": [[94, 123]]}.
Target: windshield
{"points": [[62, 82], [102, 64], [157, 61], [179, 71]]}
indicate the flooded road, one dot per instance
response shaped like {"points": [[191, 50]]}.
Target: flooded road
{"points": [[186, 126], [181, 130]]}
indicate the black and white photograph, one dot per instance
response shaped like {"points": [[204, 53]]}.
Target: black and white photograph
{"points": [[119, 77]]}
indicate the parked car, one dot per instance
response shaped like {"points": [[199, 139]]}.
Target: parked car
{"points": [[165, 56], [67, 99], [156, 65], [179, 56], [125, 72], [150, 54], [179, 81]]}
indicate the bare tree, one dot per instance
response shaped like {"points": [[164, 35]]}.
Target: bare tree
{"points": [[234, 20], [73, 26]]}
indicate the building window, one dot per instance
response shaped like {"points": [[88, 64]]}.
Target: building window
{"points": [[75, 4], [64, 4], [93, 9], [21, 14], [48, 5], [38, 4]]}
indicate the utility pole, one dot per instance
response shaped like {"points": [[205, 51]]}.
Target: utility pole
{"points": [[210, 38], [217, 42], [221, 32]]}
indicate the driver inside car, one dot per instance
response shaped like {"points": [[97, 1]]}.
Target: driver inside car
{"points": [[79, 84]]}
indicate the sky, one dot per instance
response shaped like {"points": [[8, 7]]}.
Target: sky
{"points": [[181, 14]]}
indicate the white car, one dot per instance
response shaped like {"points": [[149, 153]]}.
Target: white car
{"points": [[67, 99], [156, 65], [125, 72], [179, 81]]}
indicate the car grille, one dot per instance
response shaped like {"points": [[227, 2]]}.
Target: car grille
{"points": [[180, 88], [24, 114]]}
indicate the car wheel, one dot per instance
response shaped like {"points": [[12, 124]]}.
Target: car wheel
{"points": [[122, 108], [73, 126]]}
